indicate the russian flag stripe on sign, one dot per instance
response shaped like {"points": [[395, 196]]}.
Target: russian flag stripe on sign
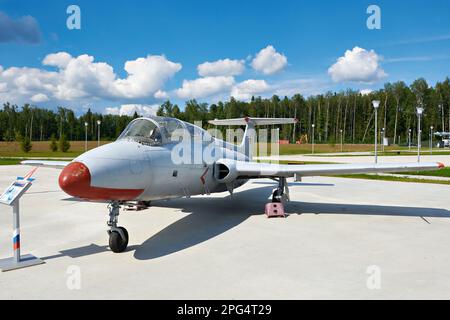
{"points": [[16, 241]]}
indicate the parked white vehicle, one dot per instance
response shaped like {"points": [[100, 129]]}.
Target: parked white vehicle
{"points": [[445, 139]]}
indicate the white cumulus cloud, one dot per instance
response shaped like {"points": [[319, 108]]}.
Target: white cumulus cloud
{"points": [[225, 67], [146, 75], [269, 61], [130, 109], [248, 88], [160, 94], [83, 78], [59, 59], [39, 97], [365, 92], [204, 87], [358, 65]]}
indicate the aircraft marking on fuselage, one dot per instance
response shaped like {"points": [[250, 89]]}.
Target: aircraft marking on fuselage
{"points": [[202, 177]]}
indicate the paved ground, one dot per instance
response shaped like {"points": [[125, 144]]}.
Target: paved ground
{"points": [[225, 248]]}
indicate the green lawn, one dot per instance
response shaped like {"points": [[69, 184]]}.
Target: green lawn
{"points": [[9, 162], [445, 172], [438, 152], [43, 154]]}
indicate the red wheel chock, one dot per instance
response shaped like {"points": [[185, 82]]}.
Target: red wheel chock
{"points": [[275, 210]]}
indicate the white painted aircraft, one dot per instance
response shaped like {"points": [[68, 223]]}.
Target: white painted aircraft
{"points": [[143, 164]]}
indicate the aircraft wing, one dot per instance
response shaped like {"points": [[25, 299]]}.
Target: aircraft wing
{"points": [[230, 169], [47, 164]]}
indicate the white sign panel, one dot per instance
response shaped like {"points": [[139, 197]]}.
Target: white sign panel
{"points": [[14, 191]]}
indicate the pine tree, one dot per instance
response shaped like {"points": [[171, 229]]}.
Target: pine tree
{"points": [[26, 145], [53, 144], [64, 145]]}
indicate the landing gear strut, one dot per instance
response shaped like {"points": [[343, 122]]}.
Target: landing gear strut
{"points": [[281, 193], [118, 236]]}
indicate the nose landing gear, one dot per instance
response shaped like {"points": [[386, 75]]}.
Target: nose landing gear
{"points": [[118, 236]]}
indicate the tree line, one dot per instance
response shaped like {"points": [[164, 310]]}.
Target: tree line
{"points": [[347, 114], [39, 124]]}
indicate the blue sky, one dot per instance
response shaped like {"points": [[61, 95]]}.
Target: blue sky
{"points": [[298, 44]]}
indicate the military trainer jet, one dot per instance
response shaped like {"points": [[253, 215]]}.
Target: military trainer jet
{"points": [[162, 158]]}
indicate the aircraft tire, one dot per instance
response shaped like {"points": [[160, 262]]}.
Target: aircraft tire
{"points": [[116, 242]]}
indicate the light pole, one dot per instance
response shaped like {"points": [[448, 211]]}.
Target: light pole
{"points": [[85, 136], [409, 139], [431, 139], [342, 140], [313, 126], [419, 131], [98, 131], [382, 139], [376, 104]]}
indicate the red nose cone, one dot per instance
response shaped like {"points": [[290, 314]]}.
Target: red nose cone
{"points": [[75, 179]]}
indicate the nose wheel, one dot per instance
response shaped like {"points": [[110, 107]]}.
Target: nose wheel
{"points": [[118, 236], [118, 240]]}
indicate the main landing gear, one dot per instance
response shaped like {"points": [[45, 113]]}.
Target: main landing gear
{"points": [[275, 209], [281, 193], [118, 236]]}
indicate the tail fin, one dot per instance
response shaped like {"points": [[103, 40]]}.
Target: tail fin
{"points": [[246, 146]]}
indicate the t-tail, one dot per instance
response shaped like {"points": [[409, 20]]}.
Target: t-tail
{"points": [[246, 147]]}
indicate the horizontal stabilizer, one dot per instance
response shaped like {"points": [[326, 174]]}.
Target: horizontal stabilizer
{"points": [[47, 164], [254, 121]]}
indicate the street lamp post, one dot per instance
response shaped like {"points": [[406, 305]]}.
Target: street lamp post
{"points": [[419, 131], [98, 131], [382, 139], [85, 136], [342, 140], [431, 139], [313, 126], [376, 104], [409, 139]]}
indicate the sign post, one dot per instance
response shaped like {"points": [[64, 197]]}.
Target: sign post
{"points": [[11, 197]]}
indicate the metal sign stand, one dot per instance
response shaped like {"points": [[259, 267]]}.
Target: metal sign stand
{"points": [[12, 197]]}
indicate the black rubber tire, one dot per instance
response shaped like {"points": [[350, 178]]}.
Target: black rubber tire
{"points": [[116, 243], [276, 197]]}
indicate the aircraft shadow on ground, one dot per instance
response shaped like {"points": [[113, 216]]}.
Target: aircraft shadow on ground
{"points": [[210, 217]]}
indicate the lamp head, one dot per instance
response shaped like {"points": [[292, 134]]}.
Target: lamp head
{"points": [[99, 122], [376, 104], [419, 111]]}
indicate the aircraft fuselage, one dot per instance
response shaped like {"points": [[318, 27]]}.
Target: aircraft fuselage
{"points": [[132, 171]]}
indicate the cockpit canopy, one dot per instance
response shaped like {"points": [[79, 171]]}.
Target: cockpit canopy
{"points": [[155, 131]]}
